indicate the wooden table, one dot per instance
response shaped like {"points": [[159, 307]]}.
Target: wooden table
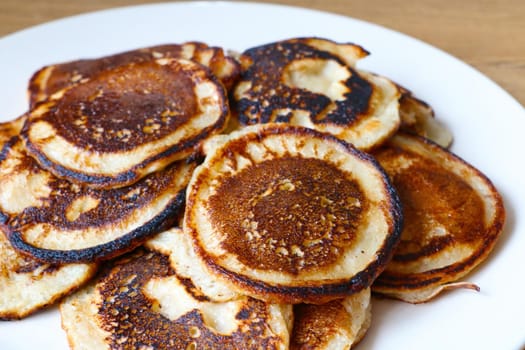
{"points": [[488, 34]]}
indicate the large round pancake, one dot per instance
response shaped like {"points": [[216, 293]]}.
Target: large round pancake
{"points": [[126, 122], [289, 214], [57, 221], [140, 302], [453, 217], [312, 82], [337, 325], [50, 79], [27, 285]]}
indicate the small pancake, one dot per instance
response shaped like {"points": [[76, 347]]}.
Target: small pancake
{"points": [[57, 221], [312, 82], [289, 215], [50, 79], [418, 117], [453, 217], [141, 302], [126, 122], [27, 285], [336, 325]]}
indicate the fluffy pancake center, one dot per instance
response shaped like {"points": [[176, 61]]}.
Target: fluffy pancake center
{"points": [[288, 214]]}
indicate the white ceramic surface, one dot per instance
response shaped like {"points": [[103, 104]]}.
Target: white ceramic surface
{"points": [[487, 123]]}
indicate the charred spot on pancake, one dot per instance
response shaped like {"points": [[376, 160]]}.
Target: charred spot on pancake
{"points": [[453, 216], [280, 79]]}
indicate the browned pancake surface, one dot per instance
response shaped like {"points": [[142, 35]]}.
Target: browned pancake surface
{"points": [[313, 82], [299, 202], [453, 216], [268, 94], [124, 107], [122, 306], [126, 122], [53, 78]]}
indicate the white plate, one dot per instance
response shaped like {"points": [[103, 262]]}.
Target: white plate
{"points": [[487, 123]]}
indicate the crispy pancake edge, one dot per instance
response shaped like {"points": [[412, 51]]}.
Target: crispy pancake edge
{"points": [[167, 217]]}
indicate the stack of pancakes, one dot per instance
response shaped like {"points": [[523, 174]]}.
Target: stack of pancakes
{"points": [[248, 202]]}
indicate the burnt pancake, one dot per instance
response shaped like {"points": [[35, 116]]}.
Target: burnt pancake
{"points": [[337, 325], [126, 122], [288, 214], [140, 301], [418, 117], [57, 221], [313, 82], [453, 217], [27, 285], [50, 79]]}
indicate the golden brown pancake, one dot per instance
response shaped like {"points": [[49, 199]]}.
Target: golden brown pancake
{"points": [[50, 79], [453, 217], [57, 221], [313, 83], [418, 117], [290, 215], [337, 325], [27, 285], [140, 302], [126, 122]]}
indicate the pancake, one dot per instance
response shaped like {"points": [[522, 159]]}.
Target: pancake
{"points": [[27, 285], [56, 221], [418, 117], [50, 79], [336, 325], [140, 302], [290, 215], [313, 82], [453, 217], [10, 128], [177, 245], [126, 122]]}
